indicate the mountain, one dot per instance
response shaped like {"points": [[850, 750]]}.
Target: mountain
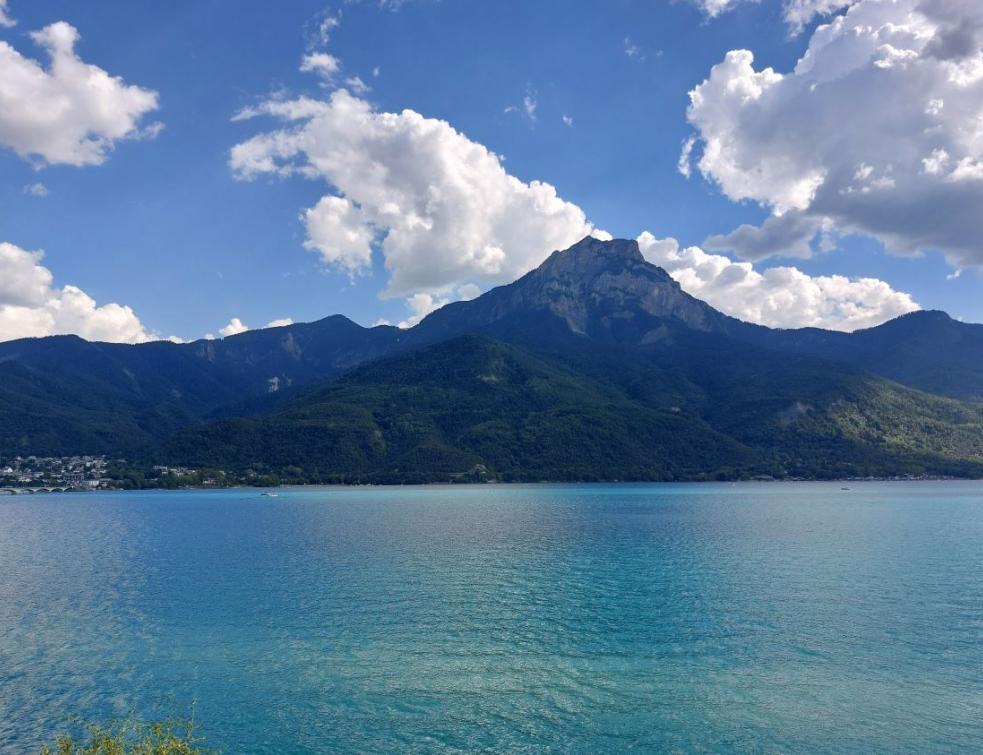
{"points": [[643, 372], [63, 395], [451, 407], [603, 290], [607, 292], [471, 407], [927, 350]]}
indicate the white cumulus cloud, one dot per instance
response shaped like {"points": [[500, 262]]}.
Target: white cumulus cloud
{"points": [[877, 130], [780, 297], [420, 305], [71, 112], [30, 306], [423, 303], [340, 231], [234, 327], [443, 208]]}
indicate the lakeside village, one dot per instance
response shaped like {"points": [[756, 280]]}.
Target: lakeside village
{"points": [[56, 474], [59, 474]]}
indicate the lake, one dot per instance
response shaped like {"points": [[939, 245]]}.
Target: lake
{"points": [[794, 617]]}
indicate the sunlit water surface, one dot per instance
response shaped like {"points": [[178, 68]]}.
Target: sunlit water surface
{"points": [[587, 618]]}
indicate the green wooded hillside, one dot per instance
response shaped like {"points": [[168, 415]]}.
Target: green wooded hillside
{"points": [[472, 408]]}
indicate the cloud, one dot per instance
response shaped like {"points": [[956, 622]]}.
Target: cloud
{"points": [[37, 189], [567, 120], [31, 307], [356, 85], [799, 143], [713, 8], [788, 235], [445, 216], [341, 232], [327, 26], [323, 64], [468, 291], [529, 105], [71, 113], [448, 220], [440, 208], [234, 327], [632, 50], [684, 165], [423, 303], [797, 13], [780, 297], [5, 19]]}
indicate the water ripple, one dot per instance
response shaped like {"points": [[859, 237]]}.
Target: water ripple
{"points": [[688, 618]]}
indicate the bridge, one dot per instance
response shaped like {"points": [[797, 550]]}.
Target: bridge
{"points": [[31, 491]]}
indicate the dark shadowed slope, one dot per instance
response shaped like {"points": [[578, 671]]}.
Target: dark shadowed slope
{"points": [[470, 408], [465, 402], [927, 350], [65, 395], [597, 313]]}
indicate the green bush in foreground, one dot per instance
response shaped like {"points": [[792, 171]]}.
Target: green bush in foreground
{"points": [[130, 737]]}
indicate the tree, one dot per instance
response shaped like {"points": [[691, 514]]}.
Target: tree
{"points": [[131, 737]]}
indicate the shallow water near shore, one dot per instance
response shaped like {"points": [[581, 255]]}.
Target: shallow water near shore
{"points": [[572, 618]]}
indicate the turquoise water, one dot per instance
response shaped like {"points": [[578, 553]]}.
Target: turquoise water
{"points": [[587, 618]]}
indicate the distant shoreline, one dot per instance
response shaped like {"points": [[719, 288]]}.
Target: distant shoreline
{"points": [[305, 486]]}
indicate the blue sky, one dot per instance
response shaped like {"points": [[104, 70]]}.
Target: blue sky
{"points": [[588, 97]]}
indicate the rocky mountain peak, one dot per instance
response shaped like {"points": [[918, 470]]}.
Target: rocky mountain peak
{"points": [[589, 259], [604, 283], [611, 250], [601, 288]]}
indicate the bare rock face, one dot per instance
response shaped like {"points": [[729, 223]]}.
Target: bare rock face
{"points": [[604, 289], [611, 280]]}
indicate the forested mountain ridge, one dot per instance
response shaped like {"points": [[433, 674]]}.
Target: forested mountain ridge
{"points": [[606, 357], [472, 408], [62, 394]]}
